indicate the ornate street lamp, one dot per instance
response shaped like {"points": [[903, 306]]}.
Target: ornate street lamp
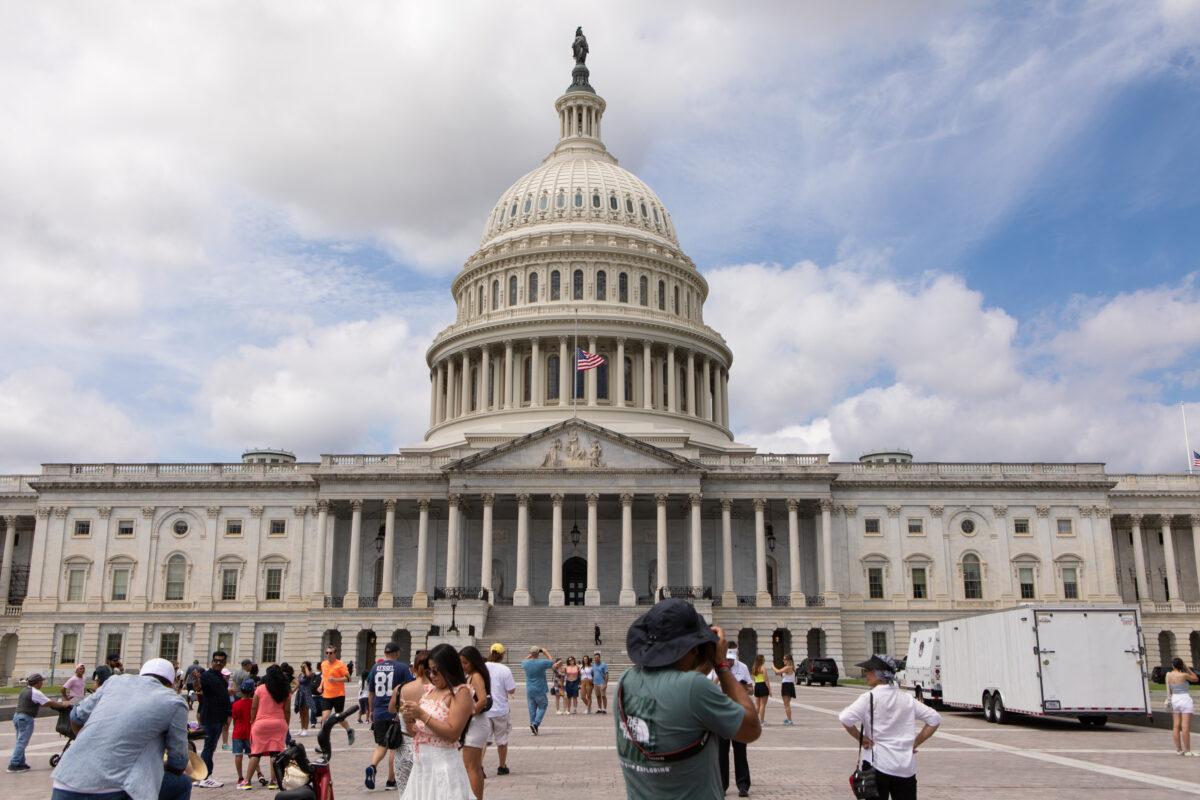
{"points": [[575, 535], [379, 540], [770, 537]]}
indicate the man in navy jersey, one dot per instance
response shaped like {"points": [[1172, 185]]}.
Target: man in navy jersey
{"points": [[384, 678]]}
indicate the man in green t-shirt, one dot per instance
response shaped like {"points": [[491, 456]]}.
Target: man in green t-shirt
{"points": [[669, 714]]}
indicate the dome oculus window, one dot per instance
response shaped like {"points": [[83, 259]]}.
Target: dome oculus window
{"points": [[595, 199], [628, 205], [656, 213], [967, 526], [512, 212], [528, 204], [643, 204], [613, 205], [180, 527]]}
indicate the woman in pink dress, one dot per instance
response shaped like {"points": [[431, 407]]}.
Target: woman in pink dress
{"points": [[270, 716], [438, 722]]}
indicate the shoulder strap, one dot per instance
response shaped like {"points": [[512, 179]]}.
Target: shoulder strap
{"points": [[685, 752]]}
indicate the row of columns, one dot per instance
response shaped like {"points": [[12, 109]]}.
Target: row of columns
{"points": [[451, 382], [1141, 577], [6, 566]]}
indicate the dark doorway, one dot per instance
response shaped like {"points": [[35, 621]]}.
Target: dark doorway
{"points": [[781, 645], [816, 643], [403, 638], [1166, 648], [364, 651], [747, 641], [574, 580], [331, 638]]}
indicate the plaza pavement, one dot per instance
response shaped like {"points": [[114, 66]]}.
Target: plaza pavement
{"points": [[575, 756]]}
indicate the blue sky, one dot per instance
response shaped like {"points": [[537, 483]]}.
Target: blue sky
{"points": [[968, 228]]}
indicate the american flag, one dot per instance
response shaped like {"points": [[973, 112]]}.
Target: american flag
{"points": [[1195, 459], [585, 360]]}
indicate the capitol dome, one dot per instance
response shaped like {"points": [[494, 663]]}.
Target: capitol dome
{"points": [[580, 255]]}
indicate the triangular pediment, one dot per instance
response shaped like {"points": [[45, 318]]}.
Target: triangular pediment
{"points": [[574, 445]]}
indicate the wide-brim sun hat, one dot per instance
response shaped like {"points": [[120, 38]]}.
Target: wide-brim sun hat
{"points": [[663, 634], [878, 663]]}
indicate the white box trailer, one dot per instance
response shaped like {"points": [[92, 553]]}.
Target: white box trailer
{"points": [[1081, 661]]}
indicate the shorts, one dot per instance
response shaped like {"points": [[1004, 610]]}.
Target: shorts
{"points": [[478, 731], [336, 704], [501, 727], [761, 690], [363, 704], [1182, 704], [572, 688], [379, 729], [241, 747], [788, 689]]}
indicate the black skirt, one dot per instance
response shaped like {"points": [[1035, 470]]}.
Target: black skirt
{"points": [[761, 690], [788, 689]]}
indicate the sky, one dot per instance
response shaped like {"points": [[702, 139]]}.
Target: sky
{"points": [[967, 229]]}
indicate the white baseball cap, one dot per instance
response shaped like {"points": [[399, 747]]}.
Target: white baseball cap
{"points": [[159, 667]]}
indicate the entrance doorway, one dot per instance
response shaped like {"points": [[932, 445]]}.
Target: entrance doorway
{"points": [[781, 645], [574, 580]]}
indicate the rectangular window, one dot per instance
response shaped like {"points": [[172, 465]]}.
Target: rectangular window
{"points": [[1065, 528], [879, 642], [278, 527], [875, 583], [75, 585], [124, 527], [225, 644], [871, 525], [1021, 526], [919, 583], [120, 584], [168, 646], [83, 527], [270, 647], [274, 590], [916, 526], [1070, 578], [229, 581], [1025, 578], [112, 644], [233, 527], [70, 648]]}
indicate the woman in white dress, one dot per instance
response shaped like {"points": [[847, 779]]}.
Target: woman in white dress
{"points": [[1179, 701], [438, 721], [413, 690]]}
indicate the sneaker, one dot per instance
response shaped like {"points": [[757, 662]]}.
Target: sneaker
{"points": [[19, 768], [208, 783], [369, 780], [350, 736], [224, 747], [262, 781], [390, 786], [501, 770], [244, 785], [272, 785], [534, 728], [304, 732]]}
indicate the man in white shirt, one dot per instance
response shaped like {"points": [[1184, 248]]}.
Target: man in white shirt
{"points": [[503, 688], [741, 765], [887, 719]]}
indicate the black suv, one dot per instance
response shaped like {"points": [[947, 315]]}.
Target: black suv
{"points": [[817, 670]]}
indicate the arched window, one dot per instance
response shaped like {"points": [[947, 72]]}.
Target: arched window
{"points": [[552, 377], [623, 288], [176, 578], [529, 205], [512, 291], [655, 214], [577, 285], [628, 379], [527, 379], [663, 385], [628, 205], [475, 388], [555, 286], [972, 573], [595, 199], [675, 295], [643, 204], [662, 296], [578, 198], [543, 202], [560, 200], [601, 285], [532, 287], [480, 302], [495, 294], [643, 291], [613, 205], [602, 379]]}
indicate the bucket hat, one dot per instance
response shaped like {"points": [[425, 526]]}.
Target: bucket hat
{"points": [[664, 633]]}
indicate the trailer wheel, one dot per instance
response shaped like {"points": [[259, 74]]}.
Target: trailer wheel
{"points": [[1096, 721], [987, 707], [999, 715]]}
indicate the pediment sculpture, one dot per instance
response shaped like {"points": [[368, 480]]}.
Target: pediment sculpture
{"points": [[573, 454]]}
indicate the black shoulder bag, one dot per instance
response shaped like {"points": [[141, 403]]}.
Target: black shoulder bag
{"points": [[862, 780]]}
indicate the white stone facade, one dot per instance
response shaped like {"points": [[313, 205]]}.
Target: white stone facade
{"points": [[522, 495]]}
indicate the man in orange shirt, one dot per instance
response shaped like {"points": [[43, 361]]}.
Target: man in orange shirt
{"points": [[334, 676]]}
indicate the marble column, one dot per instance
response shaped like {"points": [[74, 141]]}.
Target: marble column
{"points": [[420, 589], [1107, 558], [450, 393], [389, 552], [1169, 558], [591, 596], [452, 541], [353, 573], [619, 366], [465, 401], [690, 395], [725, 398], [535, 373], [797, 594], [1194, 520], [628, 595], [706, 393], [318, 584], [728, 595], [556, 557], [485, 556], [564, 362], [672, 380], [6, 567], [433, 398], [718, 405], [521, 593], [762, 594], [660, 501], [647, 377], [441, 392], [485, 369], [1141, 588], [827, 587], [508, 374], [589, 385], [696, 573]]}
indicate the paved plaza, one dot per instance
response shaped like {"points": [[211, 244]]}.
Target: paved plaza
{"points": [[967, 758]]}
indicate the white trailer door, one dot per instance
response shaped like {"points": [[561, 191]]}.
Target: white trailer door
{"points": [[1090, 661]]}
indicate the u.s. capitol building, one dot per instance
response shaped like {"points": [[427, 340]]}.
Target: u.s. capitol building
{"points": [[543, 502]]}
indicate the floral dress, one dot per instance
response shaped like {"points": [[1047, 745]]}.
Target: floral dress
{"points": [[438, 772]]}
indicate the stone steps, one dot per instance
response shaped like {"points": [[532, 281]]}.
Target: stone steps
{"points": [[563, 630]]}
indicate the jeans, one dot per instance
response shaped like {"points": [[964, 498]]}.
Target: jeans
{"points": [[537, 707], [741, 766], [174, 787], [893, 788], [212, 735], [24, 726]]}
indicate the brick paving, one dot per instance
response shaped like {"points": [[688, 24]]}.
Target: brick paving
{"points": [[968, 758]]}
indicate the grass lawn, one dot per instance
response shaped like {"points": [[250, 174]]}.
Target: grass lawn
{"points": [[53, 692]]}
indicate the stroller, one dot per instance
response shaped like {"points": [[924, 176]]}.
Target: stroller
{"points": [[63, 728], [301, 779]]}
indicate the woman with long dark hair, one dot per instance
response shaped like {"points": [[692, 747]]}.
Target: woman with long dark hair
{"points": [[438, 721], [305, 704], [270, 716], [1181, 705], [413, 691], [476, 737]]}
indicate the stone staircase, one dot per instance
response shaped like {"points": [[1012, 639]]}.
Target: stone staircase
{"points": [[563, 630]]}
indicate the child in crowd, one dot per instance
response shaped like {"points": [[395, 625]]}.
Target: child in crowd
{"points": [[241, 731]]}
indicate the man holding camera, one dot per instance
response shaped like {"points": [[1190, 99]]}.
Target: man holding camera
{"points": [[669, 714]]}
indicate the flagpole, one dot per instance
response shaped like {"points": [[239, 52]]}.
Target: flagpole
{"points": [[1186, 443], [575, 372]]}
